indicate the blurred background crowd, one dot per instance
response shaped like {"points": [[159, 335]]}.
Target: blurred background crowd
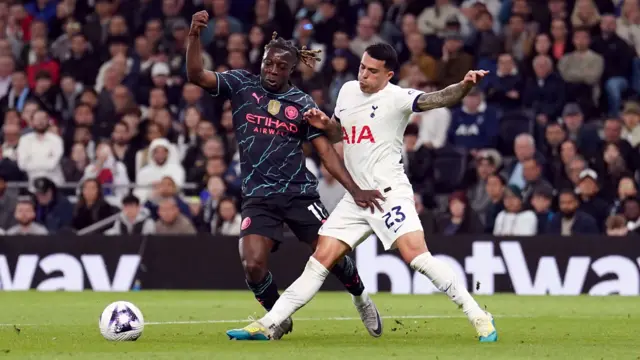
{"points": [[102, 133]]}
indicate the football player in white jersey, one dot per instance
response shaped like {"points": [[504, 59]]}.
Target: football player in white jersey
{"points": [[370, 118]]}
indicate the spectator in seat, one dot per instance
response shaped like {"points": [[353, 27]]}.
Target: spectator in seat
{"points": [[582, 70], [91, 206], [417, 50], [554, 135], [541, 201], [8, 201], [42, 63], [614, 167], [330, 190], [133, 220], [479, 200], [171, 221], [496, 185], [631, 119], [40, 152], [474, 126], [592, 201], [227, 220], [519, 38], [631, 212], [210, 200], [74, 167], [455, 63], [161, 163], [365, 36], [504, 86], [618, 59], [585, 15], [108, 171], [617, 226], [612, 131], [53, 210], [484, 40], [123, 150], [544, 94], [532, 174], [165, 189], [571, 220], [524, 147], [460, 218], [626, 188], [24, 217], [514, 220], [432, 20]]}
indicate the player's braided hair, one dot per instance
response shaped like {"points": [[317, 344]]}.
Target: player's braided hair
{"points": [[305, 55]]}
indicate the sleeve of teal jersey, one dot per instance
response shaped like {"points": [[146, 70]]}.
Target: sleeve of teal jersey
{"points": [[312, 131], [230, 82]]}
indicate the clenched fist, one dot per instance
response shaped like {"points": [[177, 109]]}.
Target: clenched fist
{"points": [[199, 21]]}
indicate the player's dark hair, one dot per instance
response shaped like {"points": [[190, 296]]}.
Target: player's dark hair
{"points": [[305, 55], [384, 52]]}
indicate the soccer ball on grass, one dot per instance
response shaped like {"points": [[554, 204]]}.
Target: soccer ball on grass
{"points": [[121, 321]]}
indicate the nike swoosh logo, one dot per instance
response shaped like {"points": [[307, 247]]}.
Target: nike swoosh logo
{"points": [[398, 228], [378, 331]]}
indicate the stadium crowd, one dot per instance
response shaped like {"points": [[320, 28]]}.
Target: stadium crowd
{"points": [[96, 103]]}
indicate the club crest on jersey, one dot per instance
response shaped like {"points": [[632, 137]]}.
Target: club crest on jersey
{"points": [[291, 112], [274, 107], [374, 108]]}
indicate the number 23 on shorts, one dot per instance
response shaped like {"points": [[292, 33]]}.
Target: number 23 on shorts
{"points": [[394, 219]]}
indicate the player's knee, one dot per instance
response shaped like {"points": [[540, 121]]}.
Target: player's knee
{"points": [[329, 250], [255, 270], [411, 245]]}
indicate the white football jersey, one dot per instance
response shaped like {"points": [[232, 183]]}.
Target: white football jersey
{"points": [[373, 128]]}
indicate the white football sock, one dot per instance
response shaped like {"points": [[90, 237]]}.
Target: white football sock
{"points": [[360, 299], [297, 294], [444, 278]]}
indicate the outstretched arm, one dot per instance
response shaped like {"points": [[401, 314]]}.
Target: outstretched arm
{"points": [[450, 95], [446, 97], [195, 70]]}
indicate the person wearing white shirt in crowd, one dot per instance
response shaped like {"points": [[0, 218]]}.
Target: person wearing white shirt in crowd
{"points": [[513, 220], [227, 221], [161, 163], [40, 152]]}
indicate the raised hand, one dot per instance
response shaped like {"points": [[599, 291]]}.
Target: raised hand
{"points": [[199, 21], [317, 118], [474, 76]]}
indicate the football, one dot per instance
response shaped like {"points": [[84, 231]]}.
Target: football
{"points": [[121, 321]]}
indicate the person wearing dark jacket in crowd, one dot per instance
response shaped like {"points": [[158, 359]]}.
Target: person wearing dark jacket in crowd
{"points": [[571, 220], [461, 218], [503, 88], [495, 189], [165, 189], [592, 202], [53, 210], [545, 93], [133, 220], [541, 202], [91, 207], [8, 201]]}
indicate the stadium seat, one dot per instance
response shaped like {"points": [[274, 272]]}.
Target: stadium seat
{"points": [[449, 168], [513, 124]]}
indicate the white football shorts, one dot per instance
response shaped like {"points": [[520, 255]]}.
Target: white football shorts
{"points": [[352, 224]]}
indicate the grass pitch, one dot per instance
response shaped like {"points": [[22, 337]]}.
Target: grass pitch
{"points": [[191, 325]]}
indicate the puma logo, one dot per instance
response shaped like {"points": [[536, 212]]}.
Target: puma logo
{"points": [[257, 97]]}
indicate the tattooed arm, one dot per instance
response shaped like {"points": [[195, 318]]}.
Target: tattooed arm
{"points": [[446, 97], [450, 95]]}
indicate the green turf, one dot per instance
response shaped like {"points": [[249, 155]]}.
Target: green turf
{"points": [[63, 325]]}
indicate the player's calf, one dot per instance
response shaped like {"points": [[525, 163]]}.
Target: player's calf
{"points": [[413, 250]]}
